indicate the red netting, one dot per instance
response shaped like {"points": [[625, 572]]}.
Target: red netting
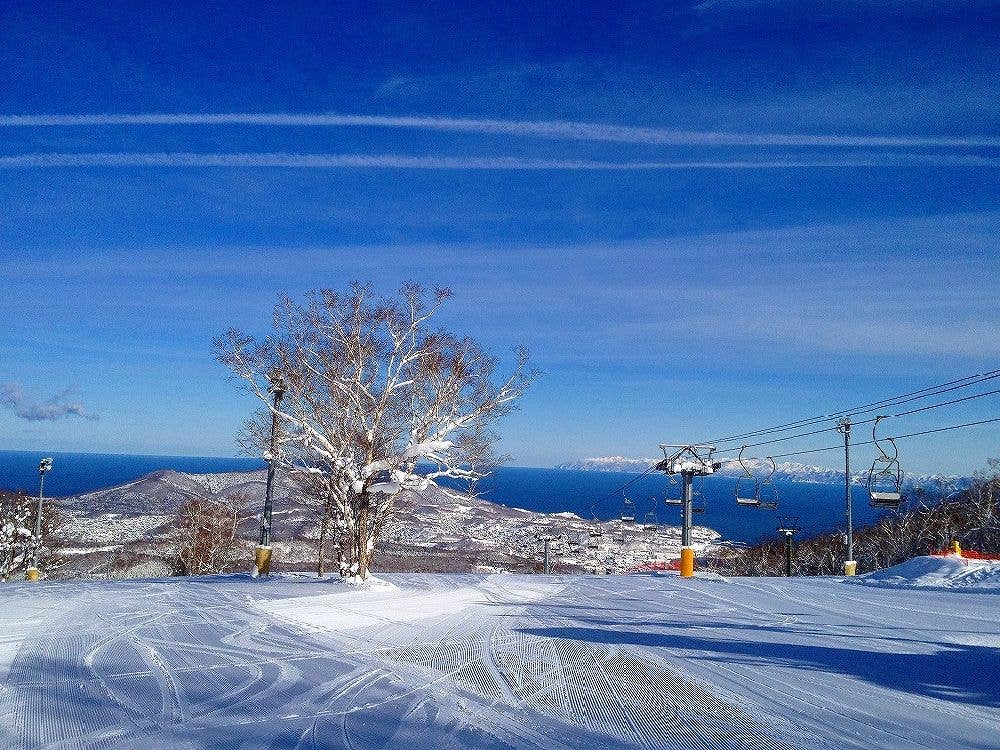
{"points": [[969, 553]]}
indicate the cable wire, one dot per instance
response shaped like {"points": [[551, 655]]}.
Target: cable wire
{"points": [[872, 406], [893, 437], [864, 421]]}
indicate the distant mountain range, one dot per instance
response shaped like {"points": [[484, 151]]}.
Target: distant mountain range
{"points": [[788, 471]]}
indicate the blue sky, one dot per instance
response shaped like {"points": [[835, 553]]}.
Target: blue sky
{"points": [[701, 218]]}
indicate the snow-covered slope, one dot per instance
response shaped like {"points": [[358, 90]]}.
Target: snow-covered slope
{"points": [[945, 572], [444, 661]]}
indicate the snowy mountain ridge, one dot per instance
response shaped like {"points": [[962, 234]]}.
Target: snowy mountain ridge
{"points": [[786, 471]]}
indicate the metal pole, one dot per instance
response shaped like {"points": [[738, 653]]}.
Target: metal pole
{"points": [[265, 521], [36, 542], [38, 520], [547, 565], [262, 556], [845, 427], [788, 554], [687, 476]]}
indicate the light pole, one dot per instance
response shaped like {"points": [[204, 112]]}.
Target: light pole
{"points": [[850, 566], [44, 466], [262, 554]]}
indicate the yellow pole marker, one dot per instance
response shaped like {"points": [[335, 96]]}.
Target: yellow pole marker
{"points": [[31, 574], [850, 567], [262, 558], [687, 562], [956, 548]]}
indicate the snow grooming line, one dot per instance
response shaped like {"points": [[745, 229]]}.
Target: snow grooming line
{"points": [[606, 690]]}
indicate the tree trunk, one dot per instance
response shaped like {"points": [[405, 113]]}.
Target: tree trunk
{"points": [[361, 550], [324, 529]]}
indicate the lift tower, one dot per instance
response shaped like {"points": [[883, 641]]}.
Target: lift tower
{"points": [[689, 461]]}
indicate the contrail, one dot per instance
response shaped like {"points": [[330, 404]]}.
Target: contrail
{"points": [[393, 161], [556, 129]]}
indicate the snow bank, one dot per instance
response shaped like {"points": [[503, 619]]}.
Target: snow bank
{"points": [[936, 572]]}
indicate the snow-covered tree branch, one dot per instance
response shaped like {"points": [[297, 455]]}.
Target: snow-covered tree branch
{"points": [[376, 402]]}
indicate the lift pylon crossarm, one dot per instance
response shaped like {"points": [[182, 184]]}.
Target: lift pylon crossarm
{"points": [[682, 459], [789, 525]]}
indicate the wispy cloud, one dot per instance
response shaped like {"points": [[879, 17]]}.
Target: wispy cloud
{"points": [[57, 407], [398, 161], [554, 129]]}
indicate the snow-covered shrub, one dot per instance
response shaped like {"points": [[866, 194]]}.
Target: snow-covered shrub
{"points": [[209, 536], [17, 518]]}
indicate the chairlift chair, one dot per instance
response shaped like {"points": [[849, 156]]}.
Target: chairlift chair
{"points": [[649, 522], [697, 502], [747, 499], [628, 511], [669, 500], [885, 478], [595, 538], [769, 489]]}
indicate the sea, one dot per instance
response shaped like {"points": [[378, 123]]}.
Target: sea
{"points": [[589, 494]]}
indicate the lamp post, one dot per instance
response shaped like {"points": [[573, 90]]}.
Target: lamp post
{"points": [[44, 466], [262, 555]]}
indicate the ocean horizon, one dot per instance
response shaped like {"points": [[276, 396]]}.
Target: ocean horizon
{"points": [[588, 494]]}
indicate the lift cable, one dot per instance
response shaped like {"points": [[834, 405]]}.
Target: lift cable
{"points": [[894, 437], [624, 487], [864, 421], [883, 403]]}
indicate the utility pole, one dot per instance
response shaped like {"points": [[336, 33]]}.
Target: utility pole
{"points": [[850, 566], [263, 552], [44, 466], [688, 461]]}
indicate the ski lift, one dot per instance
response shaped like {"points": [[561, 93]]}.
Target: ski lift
{"points": [[697, 506], [760, 488], [885, 478], [628, 511], [573, 543], [595, 538], [673, 500], [769, 489], [649, 522], [747, 499]]}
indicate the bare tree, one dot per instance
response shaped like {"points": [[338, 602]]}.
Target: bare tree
{"points": [[208, 534], [371, 390]]}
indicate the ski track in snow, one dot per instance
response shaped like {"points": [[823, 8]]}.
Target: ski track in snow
{"points": [[501, 661]]}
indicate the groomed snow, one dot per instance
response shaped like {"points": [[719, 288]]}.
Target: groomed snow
{"points": [[497, 661], [379, 602]]}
